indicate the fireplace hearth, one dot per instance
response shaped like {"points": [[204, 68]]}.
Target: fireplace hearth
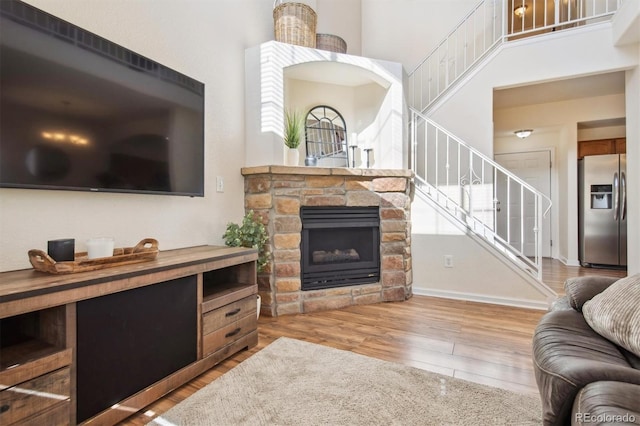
{"points": [[340, 246]]}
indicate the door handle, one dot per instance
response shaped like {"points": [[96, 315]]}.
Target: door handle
{"points": [[616, 197], [623, 194], [497, 205]]}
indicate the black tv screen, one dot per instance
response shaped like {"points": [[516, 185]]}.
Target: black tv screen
{"points": [[79, 112]]}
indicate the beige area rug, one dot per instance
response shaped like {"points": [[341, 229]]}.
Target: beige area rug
{"points": [[291, 382]]}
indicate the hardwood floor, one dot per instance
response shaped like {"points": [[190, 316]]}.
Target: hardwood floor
{"points": [[554, 273], [483, 343]]}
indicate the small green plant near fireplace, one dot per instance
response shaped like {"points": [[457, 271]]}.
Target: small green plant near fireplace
{"points": [[293, 134], [252, 234], [293, 128]]}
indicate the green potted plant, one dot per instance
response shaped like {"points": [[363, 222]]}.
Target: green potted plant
{"points": [[251, 233], [293, 128]]}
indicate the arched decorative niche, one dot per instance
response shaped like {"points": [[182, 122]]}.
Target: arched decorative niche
{"points": [[367, 92]]}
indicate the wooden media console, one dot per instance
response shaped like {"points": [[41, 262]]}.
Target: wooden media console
{"points": [[95, 347]]}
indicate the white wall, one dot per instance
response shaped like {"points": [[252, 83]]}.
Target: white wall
{"points": [[406, 31], [633, 167], [343, 19], [597, 133], [477, 274], [202, 39]]}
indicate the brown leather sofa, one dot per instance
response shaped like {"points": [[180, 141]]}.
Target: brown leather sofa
{"points": [[582, 377]]}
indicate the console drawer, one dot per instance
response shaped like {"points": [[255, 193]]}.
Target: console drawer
{"points": [[59, 415], [33, 396], [229, 333], [218, 318]]}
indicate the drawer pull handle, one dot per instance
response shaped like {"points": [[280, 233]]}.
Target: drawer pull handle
{"points": [[233, 333], [5, 408], [232, 313]]}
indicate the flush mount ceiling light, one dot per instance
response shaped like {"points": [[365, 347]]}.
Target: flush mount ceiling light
{"points": [[519, 11], [523, 133]]}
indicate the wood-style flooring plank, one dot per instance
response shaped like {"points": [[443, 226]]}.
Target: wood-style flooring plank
{"points": [[554, 273]]}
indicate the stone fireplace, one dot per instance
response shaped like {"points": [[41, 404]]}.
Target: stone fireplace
{"points": [[337, 236]]}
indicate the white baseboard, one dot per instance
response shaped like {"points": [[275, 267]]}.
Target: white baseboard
{"points": [[569, 262], [481, 298]]}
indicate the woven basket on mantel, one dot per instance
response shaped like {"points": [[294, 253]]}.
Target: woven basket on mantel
{"points": [[294, 23], [331, 42]]}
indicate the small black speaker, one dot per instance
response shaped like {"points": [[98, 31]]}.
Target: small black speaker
{"points": [[62, 250]]}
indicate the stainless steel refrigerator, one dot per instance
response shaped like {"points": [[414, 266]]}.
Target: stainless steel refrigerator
{"points": [[602, 217]]}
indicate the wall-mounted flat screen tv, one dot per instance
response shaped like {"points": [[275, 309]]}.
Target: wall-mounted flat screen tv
{"points": [[79, 112]]}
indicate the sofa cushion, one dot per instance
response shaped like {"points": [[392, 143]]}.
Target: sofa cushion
{"points": [[607, 403], [567, 356], [581, 289], [615, 313]]}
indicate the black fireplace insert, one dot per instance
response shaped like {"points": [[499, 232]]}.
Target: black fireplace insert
{"points": [[340, 246]]}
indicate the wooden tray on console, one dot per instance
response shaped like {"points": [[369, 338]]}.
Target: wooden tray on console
{"points": [[144, 251]]}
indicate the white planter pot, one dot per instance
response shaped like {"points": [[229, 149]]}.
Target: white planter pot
{"points": [[293, 156], [259, 300]]}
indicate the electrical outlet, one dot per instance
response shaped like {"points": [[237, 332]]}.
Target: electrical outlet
{"points": [[219, 184], [448, 261]]}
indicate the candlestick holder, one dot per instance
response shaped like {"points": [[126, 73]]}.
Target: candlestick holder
{"points": [[353, 155], [368, 152]]}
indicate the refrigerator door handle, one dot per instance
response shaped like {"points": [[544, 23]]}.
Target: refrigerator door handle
{"points": [[623, 195], [616, 197]]}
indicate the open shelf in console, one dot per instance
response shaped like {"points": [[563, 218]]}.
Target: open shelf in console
{"points": [[33, 346], [32, 336], [225, 285]]}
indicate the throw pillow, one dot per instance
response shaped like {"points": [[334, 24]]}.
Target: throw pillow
{"points": [[615, 313]]}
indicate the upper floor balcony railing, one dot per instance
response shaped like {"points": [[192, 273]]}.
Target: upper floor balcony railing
{"points": [[489, 24]]}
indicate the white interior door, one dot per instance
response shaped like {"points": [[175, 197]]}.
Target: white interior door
{"points": [[534, 168]]}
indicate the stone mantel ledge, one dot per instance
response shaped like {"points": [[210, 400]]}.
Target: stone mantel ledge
{"points": [[325, 171]]}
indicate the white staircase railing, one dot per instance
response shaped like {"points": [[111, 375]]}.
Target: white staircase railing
{"points": [[485, 197], [479, 31], [490, 23]]}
